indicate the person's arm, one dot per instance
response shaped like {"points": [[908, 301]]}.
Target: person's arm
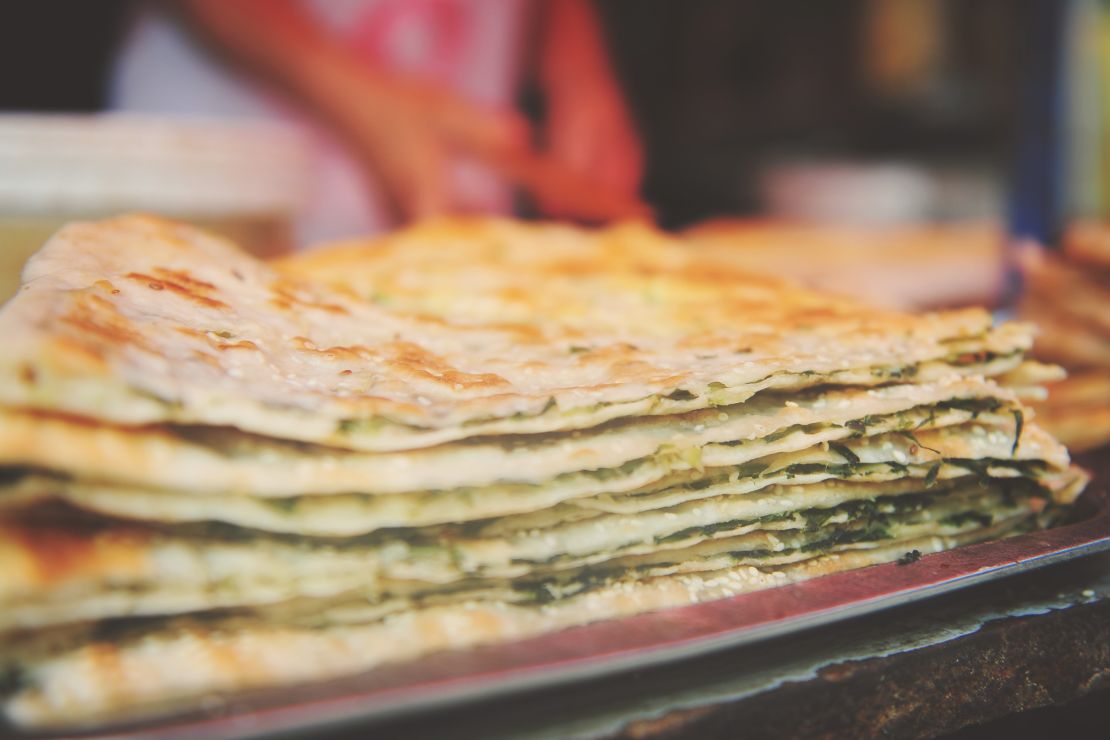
{"points": [[399, 126], [588, 123], [403, 128]]}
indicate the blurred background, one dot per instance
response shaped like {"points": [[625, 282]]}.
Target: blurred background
{"points": [[886, 148]]}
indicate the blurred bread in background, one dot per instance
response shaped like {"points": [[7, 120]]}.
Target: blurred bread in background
{"points": [[906, 266], [1067, 293]]}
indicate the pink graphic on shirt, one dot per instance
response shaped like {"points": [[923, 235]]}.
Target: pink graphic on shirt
{"points": [[466, 46], [430, 38]]}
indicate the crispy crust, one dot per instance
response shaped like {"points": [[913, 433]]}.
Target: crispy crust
{"points": [[1068, 297], [138, 321], [608, 425], [175, 666], [220, 461], [1077, 410], [62, 575]]}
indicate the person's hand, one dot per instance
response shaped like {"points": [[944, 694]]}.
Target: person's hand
{"points": [[406, 130], [410, 132], [409, 135], [403, 130], [589, 129]]}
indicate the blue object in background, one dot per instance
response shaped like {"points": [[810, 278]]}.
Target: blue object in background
{"points": [[1037, 199]]}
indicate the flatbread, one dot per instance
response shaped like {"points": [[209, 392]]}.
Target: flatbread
{"points": [[173, 664], [1077, 410], [1068, 294], [213, 461], [474, 433], [140, 321], [115, 571], [1070, 290], [626, 279], [1064, 340], [652, 482], [940, 454], [506, 548]]}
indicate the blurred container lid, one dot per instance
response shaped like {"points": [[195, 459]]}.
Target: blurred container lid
{"points": [[52, 164], [908, 266], [879, 193]]}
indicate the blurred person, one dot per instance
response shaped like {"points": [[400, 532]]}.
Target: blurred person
{"points": [[408, 102]]}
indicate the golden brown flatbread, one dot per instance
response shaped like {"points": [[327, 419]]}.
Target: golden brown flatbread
{"points": [[140, 321], [473, 431], [1068, 296], [1077, 410], [174, 664]]}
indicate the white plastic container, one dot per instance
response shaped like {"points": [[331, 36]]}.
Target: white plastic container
{"points": [[247, 180]]}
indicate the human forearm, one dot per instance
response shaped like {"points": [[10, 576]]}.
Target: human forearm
{"points": [[572, 52], [277, 42], [588, 126]]}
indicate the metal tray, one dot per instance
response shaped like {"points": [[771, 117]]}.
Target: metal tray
{"points": [[595, 650]]}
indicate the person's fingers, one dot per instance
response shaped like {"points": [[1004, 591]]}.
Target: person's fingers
{"points": [[590, 131], [565, 192], [593, 171], [405, 135], [484, 131], [407, 158], [473, 127], [428, 193], [617, 149], [622, 160], [570, 138], [514, 130]]}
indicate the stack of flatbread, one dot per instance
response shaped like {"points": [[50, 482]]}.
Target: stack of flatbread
{"points": [[220, 474], [1068, 296]]}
